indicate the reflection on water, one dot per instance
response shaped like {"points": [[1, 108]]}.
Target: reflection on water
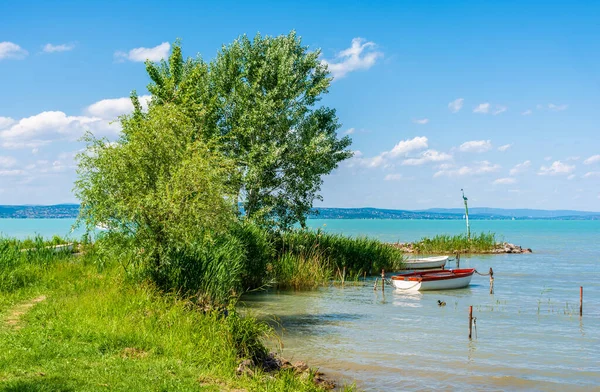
{"points": [[529, 334]]}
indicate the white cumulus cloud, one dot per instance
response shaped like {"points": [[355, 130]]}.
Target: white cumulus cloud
{"points": [[456, 105], [557, 168], [426, 157], [526, 112], [10, 50], [500, 109], [360, 56], [478, 168], [5, 122], [592, 159], [422, 121], [115, 107], [520, 167], [6, 162], [401, 149], [504, 181], [591, 174], [482, 108], [504, 147], [393, 177], [476, 146], [156, 53], [349, 131], [50, 48]]}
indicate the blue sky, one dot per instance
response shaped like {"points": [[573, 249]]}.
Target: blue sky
{"points": [[498, 98]]}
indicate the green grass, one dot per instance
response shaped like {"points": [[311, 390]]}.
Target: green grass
{"points": [[308, 258], [442, 243], [99, 329]]}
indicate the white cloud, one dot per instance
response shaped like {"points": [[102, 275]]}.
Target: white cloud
{"points": [[592, 159], [548, 158], [476, 146], [504, 147], [557, 108], [574, 158], [527, 112], [35, 150], [10, 173], [482, 108], [504, 181], [500, 109], [422, 121], [9, 50], [591, 174], [112, 108], [408, 145], [456, 105], [556, 168], [49, 48], [6, 162], [572, 176], [478, 168], [156, 53], [519, 168], [5, 122], [350, 131], [401, 149], [426, 157], [393, 177], [360, 56]]}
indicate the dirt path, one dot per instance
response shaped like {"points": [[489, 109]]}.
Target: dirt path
{"points": [[16, 312]]}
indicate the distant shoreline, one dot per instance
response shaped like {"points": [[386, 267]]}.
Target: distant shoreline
{"points": [[71, 211]]}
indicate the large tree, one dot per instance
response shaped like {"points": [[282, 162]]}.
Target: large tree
{"points": [[257, 101], [157, 185]]}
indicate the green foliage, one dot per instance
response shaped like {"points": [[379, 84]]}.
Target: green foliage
{"points": [[158, 189], [358, 255], [259, 253], [443, 243], [306, 269], [257, 102]]}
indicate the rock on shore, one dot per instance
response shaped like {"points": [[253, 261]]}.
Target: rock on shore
{"points": [[501, 247]]}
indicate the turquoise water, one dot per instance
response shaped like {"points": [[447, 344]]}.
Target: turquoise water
{"points": [[529, 333]]}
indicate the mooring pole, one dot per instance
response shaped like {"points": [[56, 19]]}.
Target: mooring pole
{"points": [[580, 301], [344, 276], [470, 321], [491, 281], [466, 214], [382, 280], [457, 259]]}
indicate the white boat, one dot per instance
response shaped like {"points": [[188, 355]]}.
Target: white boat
{"points": [[425, 262], [434, 280]]}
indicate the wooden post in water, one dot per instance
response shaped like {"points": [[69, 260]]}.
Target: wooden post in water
{"points": [[470, 321], [344, 276], [580, 301], [364, 275], [457, 259], [491, 281], [382, 280]]}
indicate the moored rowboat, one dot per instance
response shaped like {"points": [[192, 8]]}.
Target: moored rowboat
{"points": [[425, 262], [434, 280]]}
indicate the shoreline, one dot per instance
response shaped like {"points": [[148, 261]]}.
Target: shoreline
{"points": [[501, 248]]}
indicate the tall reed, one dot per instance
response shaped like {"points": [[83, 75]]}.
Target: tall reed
{"points": [[443, 243]]}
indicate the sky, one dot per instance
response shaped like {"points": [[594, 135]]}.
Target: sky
{"points": [[501, 99]]}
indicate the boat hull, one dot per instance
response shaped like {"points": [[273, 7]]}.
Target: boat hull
{"points": [[425, 263], [434, 280]]}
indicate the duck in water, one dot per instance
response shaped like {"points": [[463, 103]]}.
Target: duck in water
{"points": [[441, 303]]}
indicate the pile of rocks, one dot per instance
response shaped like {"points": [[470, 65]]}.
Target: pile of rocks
{"points": [[501, 247], [506, 247]]}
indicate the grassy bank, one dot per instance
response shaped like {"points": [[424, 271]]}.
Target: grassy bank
{"points": [[451, 244], [74, 323]]}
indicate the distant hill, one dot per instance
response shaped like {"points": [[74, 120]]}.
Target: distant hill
{"points": [[30, 211], [517, 213], [72, 210]]}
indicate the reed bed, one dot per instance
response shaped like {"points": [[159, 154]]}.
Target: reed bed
{"points": [[450, 244]]}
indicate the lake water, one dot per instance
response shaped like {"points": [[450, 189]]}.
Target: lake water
{"points": [[529, 335]]}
